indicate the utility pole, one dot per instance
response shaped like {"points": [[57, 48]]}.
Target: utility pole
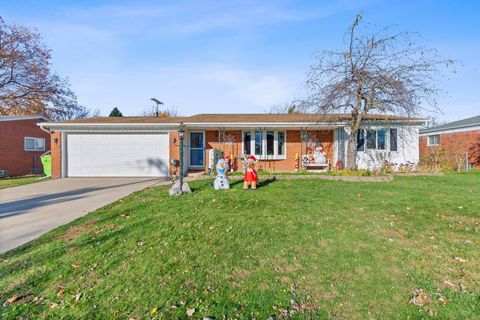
{"points": [[158, 103]]}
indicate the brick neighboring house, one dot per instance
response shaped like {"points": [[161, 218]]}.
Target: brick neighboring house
{"points": [[22, 143], [149, 146], [451, 142]]}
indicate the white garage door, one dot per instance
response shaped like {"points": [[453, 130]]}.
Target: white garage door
{"points": [[117, 155]]}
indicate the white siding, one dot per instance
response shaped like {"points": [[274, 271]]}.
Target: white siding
{"points": [[407, 146]]}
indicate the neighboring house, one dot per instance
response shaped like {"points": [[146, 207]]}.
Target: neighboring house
{"points": [[149, 146], [453, 142], [22, 143]]}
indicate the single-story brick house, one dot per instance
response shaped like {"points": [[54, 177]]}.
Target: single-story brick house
{"points": [[149, 146], [22, 143], [453, 141]]}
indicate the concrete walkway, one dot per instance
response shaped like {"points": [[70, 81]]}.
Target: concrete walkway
{"points": [[28, 211]]}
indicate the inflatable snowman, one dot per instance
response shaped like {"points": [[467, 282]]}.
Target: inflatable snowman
{"points": [[221, 181]]}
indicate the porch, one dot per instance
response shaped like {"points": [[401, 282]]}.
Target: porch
{"points": [[277, 149]]}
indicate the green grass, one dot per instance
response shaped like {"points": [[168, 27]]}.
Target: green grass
{"points": [[345, 173], [309, 248], [18, 181]]}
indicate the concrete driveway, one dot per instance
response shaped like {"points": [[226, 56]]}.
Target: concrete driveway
{"points": [[28, 211]]}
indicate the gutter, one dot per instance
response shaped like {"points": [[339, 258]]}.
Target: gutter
{"points": [[108, 126], [43, 129]]}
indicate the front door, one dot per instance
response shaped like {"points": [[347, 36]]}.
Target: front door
{"points": [[197, 150]]}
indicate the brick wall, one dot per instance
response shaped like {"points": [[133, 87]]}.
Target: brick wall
{"points": [[174, 146], [454, 145], [293, 146], [56, 150], [13, 156]]}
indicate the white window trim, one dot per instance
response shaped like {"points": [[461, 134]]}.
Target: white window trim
{"points": [[428, 140], [275, 155], [34, 150]]}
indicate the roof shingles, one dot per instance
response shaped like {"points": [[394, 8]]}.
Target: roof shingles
{"points": [[242, 118]]}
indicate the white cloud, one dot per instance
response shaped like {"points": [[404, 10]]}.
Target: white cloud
{"points": [[185, 18]]}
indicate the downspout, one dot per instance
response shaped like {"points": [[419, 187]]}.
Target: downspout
{"points": [[49, 151], [50, 133]]}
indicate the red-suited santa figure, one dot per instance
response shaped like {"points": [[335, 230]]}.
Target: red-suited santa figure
{"points": [[251, 177]]}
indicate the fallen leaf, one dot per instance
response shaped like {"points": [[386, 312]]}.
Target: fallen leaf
{"points": [[60, 292], [154, 310], [448, 282], [459, 259], [420, 298], [13, 299], [125, 215], [77, 297], [75, 266], [54, 305], [190, 312]]}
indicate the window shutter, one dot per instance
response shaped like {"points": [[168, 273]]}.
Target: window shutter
{"points": [[393, 139], [360, 140]]}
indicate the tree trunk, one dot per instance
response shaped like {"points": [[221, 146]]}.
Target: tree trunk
{"points": [[352, 151]]}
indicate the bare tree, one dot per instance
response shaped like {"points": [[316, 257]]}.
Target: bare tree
{"points": [[154, 112], [26, 81], [63, 104], [287, 108], [383, 72]]}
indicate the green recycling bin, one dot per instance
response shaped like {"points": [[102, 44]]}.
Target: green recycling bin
{"points": [[47, 164]]}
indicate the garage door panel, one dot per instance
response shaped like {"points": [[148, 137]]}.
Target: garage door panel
{"points": [[117, 155]]}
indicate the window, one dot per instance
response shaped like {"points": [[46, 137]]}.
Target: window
{"points": [[393, 140], [434, 140], [34, 144], [281, 143], [377, 139], [265, 144], [270, 143], [360, 140], [258, 143], [247, 141], [381, 139], [371, 139]]}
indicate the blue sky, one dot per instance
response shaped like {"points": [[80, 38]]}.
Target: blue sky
{"points": [[231, 56]]}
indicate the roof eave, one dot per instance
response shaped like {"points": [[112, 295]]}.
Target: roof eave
{"points": [[439, 129]]}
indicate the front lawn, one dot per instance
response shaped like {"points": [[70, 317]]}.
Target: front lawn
{"points": [[407, 249], [18, 181]]}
